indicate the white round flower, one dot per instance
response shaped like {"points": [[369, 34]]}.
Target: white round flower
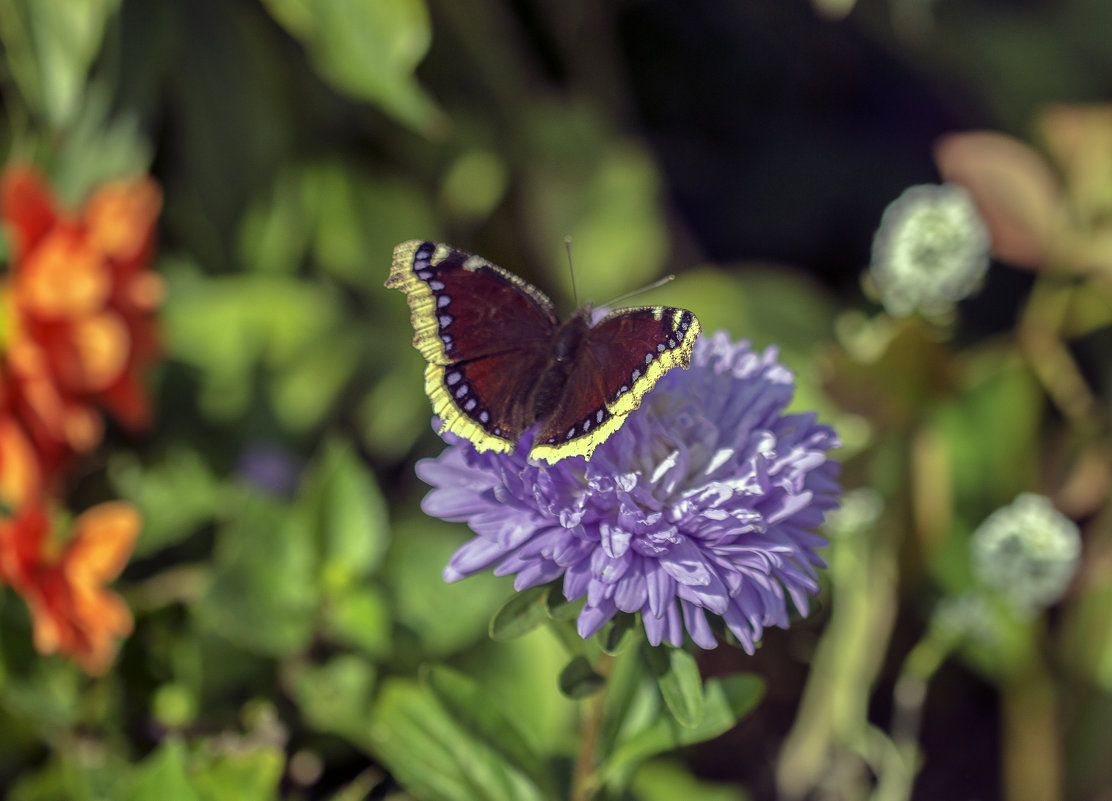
{"points": [[1028, 551], [931, 250]]}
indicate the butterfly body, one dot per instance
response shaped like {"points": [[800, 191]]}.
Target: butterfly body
{"points": [[501, 361]]}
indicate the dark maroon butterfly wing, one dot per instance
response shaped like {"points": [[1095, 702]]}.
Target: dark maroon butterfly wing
{"points": [[485, 333], [619, 361]]}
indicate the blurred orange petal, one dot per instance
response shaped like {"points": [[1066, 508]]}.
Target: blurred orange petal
{"points": [[26, 206], [103, 540], [1014, 188], [71, 611], [121, 216], [97, 352], [62, 276], [22, 540], [128, 403], [20, 473]]}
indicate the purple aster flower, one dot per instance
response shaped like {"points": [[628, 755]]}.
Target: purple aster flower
{"points": [[704, 501]]}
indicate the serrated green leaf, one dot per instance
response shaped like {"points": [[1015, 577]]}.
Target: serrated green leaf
{"points": [[681, 686], [726, 700], [522, 613], [579, 680], [478, 713]]}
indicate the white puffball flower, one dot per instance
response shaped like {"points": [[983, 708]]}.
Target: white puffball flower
{"points": [[930, 251], [1028, 551]]}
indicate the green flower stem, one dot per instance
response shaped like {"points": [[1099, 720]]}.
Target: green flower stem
{"points": [[584, 783]]}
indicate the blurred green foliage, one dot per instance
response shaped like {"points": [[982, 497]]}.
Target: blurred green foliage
{"points": [[286, 587]]}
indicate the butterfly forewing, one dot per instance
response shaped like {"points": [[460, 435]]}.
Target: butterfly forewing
{"points": [[446, 287], [620, 360], [482, 330]]}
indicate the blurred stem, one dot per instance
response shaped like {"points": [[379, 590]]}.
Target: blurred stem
{"points": [[584, 783], [901, 760], [1040, 340], [831, 723], [1032, 745]]}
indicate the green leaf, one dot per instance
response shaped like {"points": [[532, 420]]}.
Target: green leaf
{"points": [[579, 680], [361, 617], [478, 712], [681, 686], [522, 613], [560, 608], [247, 772], [164, 775], [418, 552], [432, 755], [229, 327], [368, 49], [335, 697], [666, 780], [263, 592], [726, 700], [346, 513], [50, 45], [175, 495], [617, 634]]}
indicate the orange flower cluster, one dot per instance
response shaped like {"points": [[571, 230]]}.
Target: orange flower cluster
{"points": [[77, 335]]}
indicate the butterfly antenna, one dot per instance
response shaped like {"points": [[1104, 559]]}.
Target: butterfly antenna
{"points": [[628, 295], [571, 269]]}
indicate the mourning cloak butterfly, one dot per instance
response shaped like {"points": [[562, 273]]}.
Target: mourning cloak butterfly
{"points": [[500, 360]]}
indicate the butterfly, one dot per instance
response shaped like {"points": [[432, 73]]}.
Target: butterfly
{"points": [[500, 360]]}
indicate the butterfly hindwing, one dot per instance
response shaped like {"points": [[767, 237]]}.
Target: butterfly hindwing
{"points": [[621, 359], [482, 329]]}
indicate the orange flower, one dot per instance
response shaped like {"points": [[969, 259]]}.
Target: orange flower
{"points": [[77, 313], [71, 611]]}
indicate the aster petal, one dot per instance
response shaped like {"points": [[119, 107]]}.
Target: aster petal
{"points": [[631, 594], [475, 555], [593, 618], [697, 626]]}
